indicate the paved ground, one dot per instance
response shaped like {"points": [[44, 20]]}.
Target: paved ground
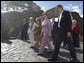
{"points": [[19, 51]]}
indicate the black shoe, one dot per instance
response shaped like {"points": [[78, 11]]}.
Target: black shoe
{"points": [[51, 59], [37, 50], [32, 47], [50, 51], [74, 60]]}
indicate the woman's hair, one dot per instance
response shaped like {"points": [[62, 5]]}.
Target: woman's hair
{"points": [[38, 19], [45, 14], [74, 21]]}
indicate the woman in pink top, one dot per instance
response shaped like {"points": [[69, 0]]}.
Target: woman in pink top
{"points": [[46, 33]]}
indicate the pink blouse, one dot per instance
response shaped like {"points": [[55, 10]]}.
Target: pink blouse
{"points": [[46, 29]]}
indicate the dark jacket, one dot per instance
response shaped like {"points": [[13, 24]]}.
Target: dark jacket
{"points": [[55, 27], [66, 23], [24, 27]]}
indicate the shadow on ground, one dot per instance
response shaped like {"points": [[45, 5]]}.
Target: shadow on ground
{"points": [[6, 41], [49, 55], [79, 51], [63, 54]]}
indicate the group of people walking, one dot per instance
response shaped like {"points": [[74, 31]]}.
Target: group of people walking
{"points": [[64, 30]]}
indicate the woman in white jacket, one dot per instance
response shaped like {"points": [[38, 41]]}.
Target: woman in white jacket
{"points": [[32, 26]]}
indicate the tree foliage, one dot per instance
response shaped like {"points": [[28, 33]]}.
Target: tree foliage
{"points": [[12, 21]]}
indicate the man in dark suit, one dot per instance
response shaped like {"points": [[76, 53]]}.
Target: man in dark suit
{"points": [[55, 31], [24, 30], [63, 34], [53, 25]]}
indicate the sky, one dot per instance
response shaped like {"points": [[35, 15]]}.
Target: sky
{"points": [[76, 6]]}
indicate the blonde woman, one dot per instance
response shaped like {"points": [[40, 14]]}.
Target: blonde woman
{"points": [[37, 33], [76, 33]]}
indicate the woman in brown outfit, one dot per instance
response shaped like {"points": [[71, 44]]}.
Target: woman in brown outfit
{"points": [[37, 32]]}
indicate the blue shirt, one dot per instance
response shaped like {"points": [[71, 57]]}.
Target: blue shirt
{"points": [[52, 25]]}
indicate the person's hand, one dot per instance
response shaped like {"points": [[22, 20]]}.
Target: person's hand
{"points": [[68, 34], [79, 35]]}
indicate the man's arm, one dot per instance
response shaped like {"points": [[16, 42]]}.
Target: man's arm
{"points": [[68, 24]]}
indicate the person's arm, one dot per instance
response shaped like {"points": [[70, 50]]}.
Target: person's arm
{"points": [[34, 26], [68, 24], [36, 30], [49, 28], [29, 28], [79, 29]]}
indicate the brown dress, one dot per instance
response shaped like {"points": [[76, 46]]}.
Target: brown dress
{"points": [[37, 35]]}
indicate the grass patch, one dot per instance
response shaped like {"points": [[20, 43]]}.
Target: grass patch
{"points": [[11, 29]]}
